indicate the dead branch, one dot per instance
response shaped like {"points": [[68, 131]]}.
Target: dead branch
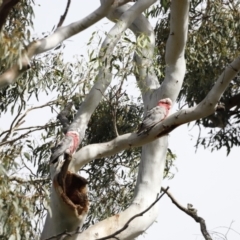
{"points": [[192, 212]]}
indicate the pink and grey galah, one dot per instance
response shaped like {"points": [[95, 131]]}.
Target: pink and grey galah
{"points": [[68, 145], [155, 115]]}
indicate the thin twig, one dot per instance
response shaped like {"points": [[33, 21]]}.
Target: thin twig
{"points": [[11, 129], [14, 126], [229, 229], [48, 104], [25, 165], [23, 135], [39, 127], [64, 234]]}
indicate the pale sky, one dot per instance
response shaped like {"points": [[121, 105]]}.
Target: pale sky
{"points": [[209, 181]]}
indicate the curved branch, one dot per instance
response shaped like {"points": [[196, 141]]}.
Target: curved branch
{"points": [[146, 192], [48, 43], [152, 164], [103, 78], [126, 141], [145, 75]]}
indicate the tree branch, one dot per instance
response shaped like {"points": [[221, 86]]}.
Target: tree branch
{"points": [[77, 231], [21, 180], [132, 218], [126, 141], [119, 3], [103, 78], [20, 119], [175, 49], [191, 212], [223, 112], [151, 166], [62, 18], [36, 128], [50, 42]]}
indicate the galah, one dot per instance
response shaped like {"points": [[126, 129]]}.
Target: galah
{"points": [[69, 145], [155, 115]]}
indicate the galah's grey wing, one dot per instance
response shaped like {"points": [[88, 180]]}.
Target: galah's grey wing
{"points": [[153, 116]]}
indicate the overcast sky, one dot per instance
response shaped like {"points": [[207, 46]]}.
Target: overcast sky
{"points": [[209, 181]]}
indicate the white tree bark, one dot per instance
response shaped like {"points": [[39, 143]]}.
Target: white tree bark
{"points": [[128, 140], [153, 157], [80, 122], [67, 214], [50, 42]]}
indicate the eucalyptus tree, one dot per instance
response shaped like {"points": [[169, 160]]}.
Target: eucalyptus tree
{"points": [[81, 114], [212, 43]]}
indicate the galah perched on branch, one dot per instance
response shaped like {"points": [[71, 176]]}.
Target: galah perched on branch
{"points": [[155, 115], [69, 145]]}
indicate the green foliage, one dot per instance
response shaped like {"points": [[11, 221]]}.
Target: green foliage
{"points": [[213, 43], [26, 145], [21, 208], [16, 33]]}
